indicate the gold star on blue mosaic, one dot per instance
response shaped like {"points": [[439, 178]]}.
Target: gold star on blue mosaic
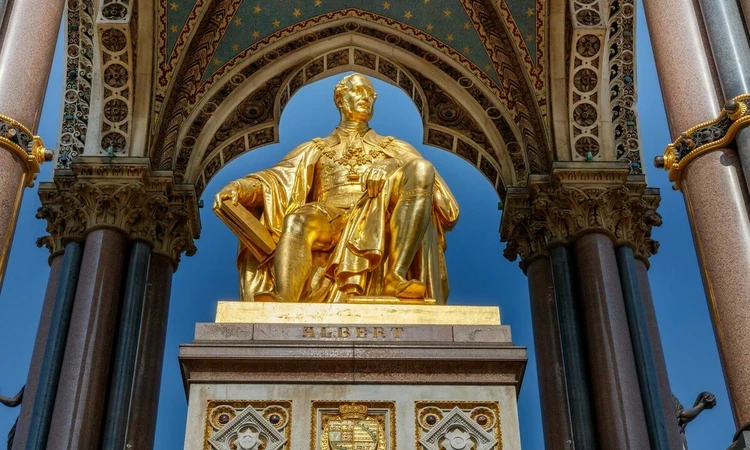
{"points": [[445, 20]]}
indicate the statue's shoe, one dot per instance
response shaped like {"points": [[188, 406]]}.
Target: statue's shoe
{"points": [[267, 296], [400, 287]]}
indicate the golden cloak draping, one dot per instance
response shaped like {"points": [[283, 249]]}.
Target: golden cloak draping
{"points": [[360, 255]]}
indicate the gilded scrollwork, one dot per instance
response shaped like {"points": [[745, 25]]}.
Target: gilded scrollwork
{"points": [[556, 210], [705, 137], [127, 196]]}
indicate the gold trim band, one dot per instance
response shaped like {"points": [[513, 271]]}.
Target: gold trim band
{"points": [[704, 138], [33, 155]]}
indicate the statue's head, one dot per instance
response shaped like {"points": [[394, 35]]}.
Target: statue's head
{"points": [[355, 97]]}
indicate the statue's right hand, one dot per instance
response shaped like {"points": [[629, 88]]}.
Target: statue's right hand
{"points": [[229, 192]]}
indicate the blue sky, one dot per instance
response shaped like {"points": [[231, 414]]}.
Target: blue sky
{"points": [[478, 272]]}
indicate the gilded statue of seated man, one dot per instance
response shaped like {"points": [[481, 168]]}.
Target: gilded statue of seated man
{"points": [[352, 214]]}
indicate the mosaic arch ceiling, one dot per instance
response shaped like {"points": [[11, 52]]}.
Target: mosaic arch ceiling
{"points": [[204, 45], [444, 20]]}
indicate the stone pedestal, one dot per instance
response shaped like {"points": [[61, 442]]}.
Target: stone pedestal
{"points": [[381, 376], [742, 443]]}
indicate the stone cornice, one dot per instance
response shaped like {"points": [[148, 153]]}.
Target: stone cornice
{"points": [[577, 199], [123, 194]]}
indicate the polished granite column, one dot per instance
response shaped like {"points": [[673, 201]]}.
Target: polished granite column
{"points": [[558, 433], [28, 47], [665, 390], [620, 419], [38, 354], [119, 399], [713, 186], [731, 52], [149, 362], [660, 420], [79, 405], [574, 353], [43, 389]]}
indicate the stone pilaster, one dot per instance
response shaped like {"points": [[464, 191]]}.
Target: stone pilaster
{"points": [[124, 194]]}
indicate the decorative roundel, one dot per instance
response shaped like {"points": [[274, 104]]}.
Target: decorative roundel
{"points": [[351, 26], [585, 80], [276, 416], [588, 45], [484, 417], [116, 76], [221, 415], [189, 141], [429, 417], [114, 40], [237, 79], [392, 39], [431, 58], [465, 82]]}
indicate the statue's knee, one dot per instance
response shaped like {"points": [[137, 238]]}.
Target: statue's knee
{"points": [[422, 172], [298, 223]]}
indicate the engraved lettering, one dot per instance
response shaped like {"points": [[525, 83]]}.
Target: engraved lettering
{"points": [[361, 332], [379, 333], [344, 332], [309, 333], [397, 332], [325, 332]]}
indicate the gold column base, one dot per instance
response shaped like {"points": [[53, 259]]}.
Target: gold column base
{"points": [[355, 314]]}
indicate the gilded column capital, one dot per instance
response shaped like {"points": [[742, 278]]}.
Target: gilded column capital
{"points": [[126, 195], [19, 140], [574, 200]]}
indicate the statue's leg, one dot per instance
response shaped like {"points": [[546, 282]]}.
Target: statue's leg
{"points": [[409, 221], [306, 229]]}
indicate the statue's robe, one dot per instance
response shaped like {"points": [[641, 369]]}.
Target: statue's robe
{"points": [[360, 255]]}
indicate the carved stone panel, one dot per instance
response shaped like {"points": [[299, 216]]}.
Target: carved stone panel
{"points": [[248, 425], [457, 425], [357, 425]]}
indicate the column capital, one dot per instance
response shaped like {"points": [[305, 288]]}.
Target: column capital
{"points": [[579, 198], [121, 193]]}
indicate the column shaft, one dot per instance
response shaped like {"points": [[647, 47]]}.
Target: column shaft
{"points": [[79, 406], [45, 391], [621, 423], [665, 390], [731, 52], [126, 346], [549, 358], [574, 354], [142, 420], [28, 46], [713, 186], [640, 334], [718, 209], [37, 356]]}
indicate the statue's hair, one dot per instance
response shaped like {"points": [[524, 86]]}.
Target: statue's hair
{"points": [[342, 86]]}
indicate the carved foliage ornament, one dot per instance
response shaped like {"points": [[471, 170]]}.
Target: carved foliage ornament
{"points": [[547, 213], [19, 140], [126, 197]]}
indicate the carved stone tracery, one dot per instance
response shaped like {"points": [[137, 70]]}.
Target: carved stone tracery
{"points": [[557, 209], [128, 196]]}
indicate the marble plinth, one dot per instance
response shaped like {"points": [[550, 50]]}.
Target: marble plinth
{"points": [[390, 386]]}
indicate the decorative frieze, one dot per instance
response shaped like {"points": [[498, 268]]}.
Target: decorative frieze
{"points": [[572, 201], [126, 195], [116, 68]]}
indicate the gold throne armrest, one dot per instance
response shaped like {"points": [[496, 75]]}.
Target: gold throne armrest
{"points": [[253, 234]]}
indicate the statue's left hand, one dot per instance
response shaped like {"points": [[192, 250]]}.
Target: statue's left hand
{"points": [[374, 177]]}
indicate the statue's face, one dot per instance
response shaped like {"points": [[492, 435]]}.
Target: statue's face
{"points": [[358, 101]]}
